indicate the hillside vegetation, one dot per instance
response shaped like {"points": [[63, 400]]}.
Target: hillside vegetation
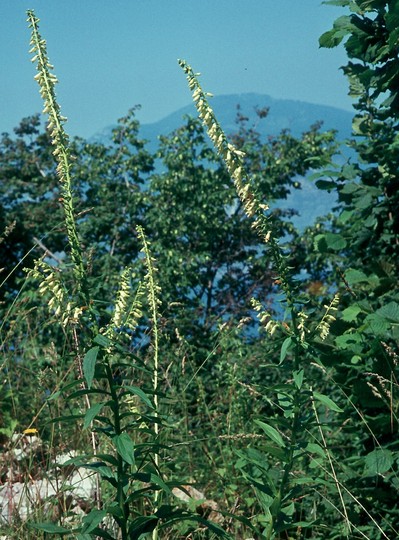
{"points": [[179, 361]]}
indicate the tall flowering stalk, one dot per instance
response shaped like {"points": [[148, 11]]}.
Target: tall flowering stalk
{"points": [[128, 307], [233, 158], [323, 328], [153, 291], [59, 139], [295, 404]]}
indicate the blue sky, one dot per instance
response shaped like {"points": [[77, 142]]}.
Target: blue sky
{"points": [[112, 54]]}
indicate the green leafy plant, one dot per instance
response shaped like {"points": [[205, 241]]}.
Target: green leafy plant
{"points": [[123, 418], [296, 432], [278, 395]]}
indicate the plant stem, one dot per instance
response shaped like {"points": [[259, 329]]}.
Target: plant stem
{"points": [[120, 470]]}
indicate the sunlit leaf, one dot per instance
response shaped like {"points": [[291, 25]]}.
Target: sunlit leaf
{"points": [[138, 392], [350, 313]]}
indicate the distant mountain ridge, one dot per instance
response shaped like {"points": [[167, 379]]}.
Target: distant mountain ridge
{"points": [[296, 116]]}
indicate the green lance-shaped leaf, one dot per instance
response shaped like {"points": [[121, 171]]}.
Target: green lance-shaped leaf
{"points": [[106, 472], [271, 432], [89, 365], [147, 478], [139, 393], [97, 533], [141, 526], [91, 520], [91, 414], [125, 447], [298, 378], [326, 401], [284, 348], [50, 528]]}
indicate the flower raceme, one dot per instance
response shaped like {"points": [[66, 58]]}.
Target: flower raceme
{"points": [[232, 157]]}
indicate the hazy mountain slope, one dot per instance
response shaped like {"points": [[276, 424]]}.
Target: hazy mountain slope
{"points": [[296, 116]]}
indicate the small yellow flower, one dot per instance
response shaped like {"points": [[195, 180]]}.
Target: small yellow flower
{"points": [[30, 431]]}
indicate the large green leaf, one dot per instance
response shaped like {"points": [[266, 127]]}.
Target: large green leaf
{"points": [[326, 184], [326, 401], [92, 519], [333, 37], [95, 533], [153, 478], [350, 313], [377, 324], [142, 525], [92, 413], [315, 448], [379, 461], [125, 447], [103, 470], [350, 341], [298, 377], [335, 242], [50, 528], [354, 276], [138, 392], [390, 312], [284, 348], [271, 432], [89, 364], [329, 241]]}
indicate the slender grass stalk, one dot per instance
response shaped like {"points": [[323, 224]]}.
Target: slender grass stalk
{"points": [[358, 503], [327, 452]]}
